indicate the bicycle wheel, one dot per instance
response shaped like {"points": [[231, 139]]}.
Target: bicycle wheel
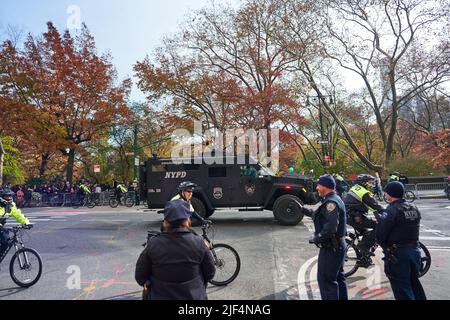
{"points": [[352, 256], [129, 202], [410, 196], [113, 203], [425, 259], [90, 204], [25, 267], [227, 263]]}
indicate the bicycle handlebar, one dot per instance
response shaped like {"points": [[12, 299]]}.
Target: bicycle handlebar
{"points": [[24, 226]]}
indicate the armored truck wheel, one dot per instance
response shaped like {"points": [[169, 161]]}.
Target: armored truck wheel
{"points": [[287, 210]]}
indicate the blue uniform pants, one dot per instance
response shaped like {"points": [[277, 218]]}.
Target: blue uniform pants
{"points": [[4, 237], [330, 273], [403, 274]]}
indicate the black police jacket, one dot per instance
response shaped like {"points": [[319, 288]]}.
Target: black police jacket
{"points": [[329, 219], [399, 224], [177, 264]]}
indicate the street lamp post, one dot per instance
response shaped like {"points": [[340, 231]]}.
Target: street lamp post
{"points": [[135, 149], [322, 141]]}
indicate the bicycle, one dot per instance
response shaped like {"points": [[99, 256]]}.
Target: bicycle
{"points": [[87, 201], [226, 258], [25, 261], [126, 200], [355, 260], [409, 196]]}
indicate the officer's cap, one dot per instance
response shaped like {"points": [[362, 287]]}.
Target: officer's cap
{"points": [[327, 181], [176, 210], [395, 189]]}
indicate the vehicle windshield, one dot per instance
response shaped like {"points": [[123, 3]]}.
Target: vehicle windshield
{"points": [[264, 171]]}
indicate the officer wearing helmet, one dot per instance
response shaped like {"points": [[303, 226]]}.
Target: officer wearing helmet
{"points": [[185, 191], [394, 176], [358, 201], [7, 209]]}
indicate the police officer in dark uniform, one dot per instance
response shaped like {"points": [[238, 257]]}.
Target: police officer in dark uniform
{"points": [[398, 235], [330, 229], [176, 264]]}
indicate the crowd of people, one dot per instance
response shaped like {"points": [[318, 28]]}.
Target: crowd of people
{"points": [[27, 195]]}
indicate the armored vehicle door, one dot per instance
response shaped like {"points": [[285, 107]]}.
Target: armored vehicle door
{"points": [[218, 187], [252, 186]]}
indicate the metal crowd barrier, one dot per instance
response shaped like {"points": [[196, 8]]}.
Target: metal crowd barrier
{"points": [[423, 190], [67, 199]]}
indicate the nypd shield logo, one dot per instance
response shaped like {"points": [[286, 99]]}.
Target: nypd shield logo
{"points": [[250, 189], [217, 193]]}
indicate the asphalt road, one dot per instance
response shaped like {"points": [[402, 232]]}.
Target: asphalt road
{"points": [[90, 254]]}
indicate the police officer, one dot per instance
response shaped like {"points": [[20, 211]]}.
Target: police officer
{"points": [[185, 191], [83, 191], [8, 208], [341, 184], [329, 236], [120, 189], [358, 202], [394, 176], [398, 235], [176, 264]]}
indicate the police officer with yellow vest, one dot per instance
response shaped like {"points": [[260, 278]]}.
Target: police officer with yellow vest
{"points": [[83, 191], [394, 176], [398, 235], [329, 235], [120, 189], [185, 191], [358, 201], [341, 184], [9, 209]]}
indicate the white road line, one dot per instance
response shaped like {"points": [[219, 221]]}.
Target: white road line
{"points": [[431, 231], [438, 248], [447, 207], [435, 238], [301, 278], [120, 220]]}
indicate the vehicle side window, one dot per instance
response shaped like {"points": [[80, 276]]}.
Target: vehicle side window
{"points": [[217, 172], [158, 168], [189, 167]]}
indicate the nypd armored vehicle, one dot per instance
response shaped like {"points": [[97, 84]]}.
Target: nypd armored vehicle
{"points": [[246, 187]]}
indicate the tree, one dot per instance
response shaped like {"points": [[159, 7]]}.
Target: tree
{"points": [[380, 42], [224, 68], [70, 85]]}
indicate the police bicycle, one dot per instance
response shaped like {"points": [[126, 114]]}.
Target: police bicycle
{"points": [[87, 201], [354, 259], [125, 199], [226, 258], [25, 266]]}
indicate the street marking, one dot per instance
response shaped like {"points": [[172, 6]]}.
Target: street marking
{"points": [[302, 284], [435, 238], [447, 207], [438, 248], [431, 231], [119, 220]]}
